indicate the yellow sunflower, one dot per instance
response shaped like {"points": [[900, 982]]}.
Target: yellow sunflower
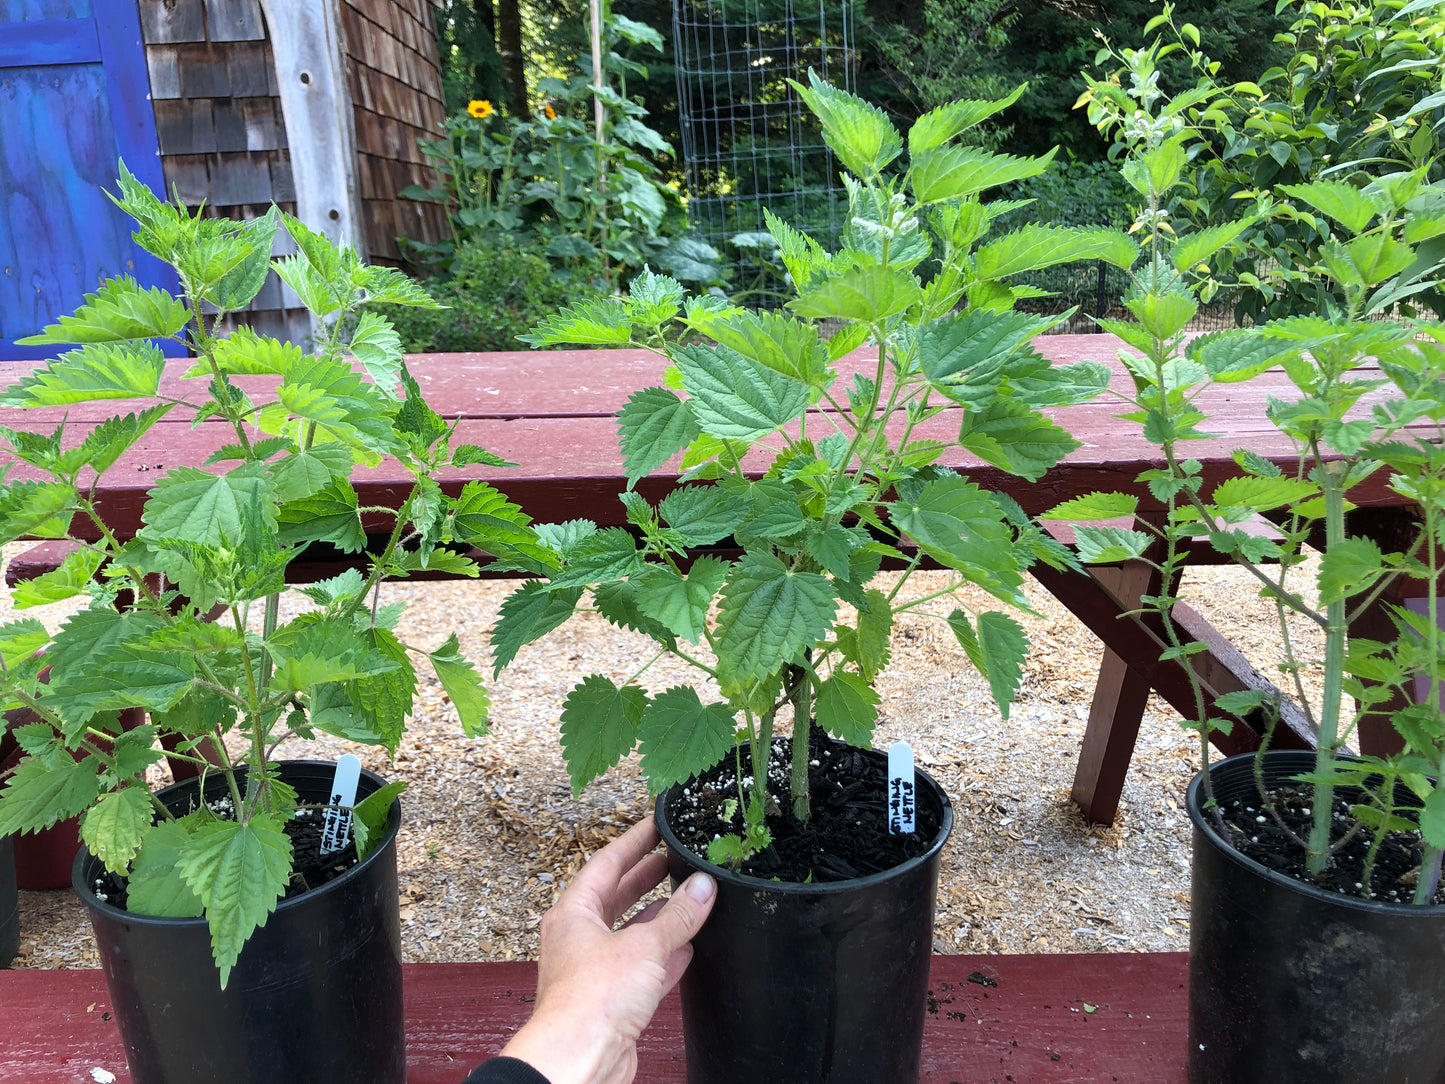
{"points": [[481, 109], [551, 113]]}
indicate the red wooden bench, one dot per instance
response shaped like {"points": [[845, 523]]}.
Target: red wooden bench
{"points": [[1044, 1020], [553, 412]]}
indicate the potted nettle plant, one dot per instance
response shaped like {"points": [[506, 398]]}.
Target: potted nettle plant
{"points": [[1317, 947], [810, 470], [245, 934]]}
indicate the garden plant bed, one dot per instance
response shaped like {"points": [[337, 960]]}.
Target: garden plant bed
{"points": [[490, 831]]}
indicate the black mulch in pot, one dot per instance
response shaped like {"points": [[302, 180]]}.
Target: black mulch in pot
{"points": [[310, 869], [847, 835], [1257, 835]]}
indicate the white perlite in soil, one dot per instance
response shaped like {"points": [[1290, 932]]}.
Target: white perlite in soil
{"points": [[491, 832]]}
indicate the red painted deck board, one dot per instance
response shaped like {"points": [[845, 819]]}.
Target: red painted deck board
{"points": [[1032, 1028]]}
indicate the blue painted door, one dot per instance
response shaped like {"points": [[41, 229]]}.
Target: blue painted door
{"points": [[74, 99]]}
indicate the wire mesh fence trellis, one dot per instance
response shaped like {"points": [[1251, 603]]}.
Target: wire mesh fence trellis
{"points": [[748, 142]]}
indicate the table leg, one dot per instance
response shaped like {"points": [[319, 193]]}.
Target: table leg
{"points": [[1120, 696]]}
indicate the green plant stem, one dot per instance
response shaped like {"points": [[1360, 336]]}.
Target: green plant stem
{"points": [[1323, 798], [1430, 861], [799, 692], [763, 753]]}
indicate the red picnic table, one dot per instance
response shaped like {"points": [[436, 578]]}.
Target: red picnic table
{"points": [[991, 1020], [553, 413], [1049, 1019]]}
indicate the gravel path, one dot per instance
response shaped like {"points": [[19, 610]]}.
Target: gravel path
{"points": [[491, 832]]}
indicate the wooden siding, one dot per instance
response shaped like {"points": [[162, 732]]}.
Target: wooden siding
{"points": [[396, 97], [219, 124]]}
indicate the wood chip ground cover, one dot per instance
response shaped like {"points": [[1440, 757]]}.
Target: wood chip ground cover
{"points": [[491, 833]]}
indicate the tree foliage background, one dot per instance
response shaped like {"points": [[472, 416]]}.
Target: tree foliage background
{"points": [[912, 55]]}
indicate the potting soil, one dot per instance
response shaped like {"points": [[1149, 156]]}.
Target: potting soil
{"points": [[847, 835], [1256, 834]]}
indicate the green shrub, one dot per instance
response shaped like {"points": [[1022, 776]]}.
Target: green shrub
{"points": [[496, 292]]}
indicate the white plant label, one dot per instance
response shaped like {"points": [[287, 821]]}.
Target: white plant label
{"points": [[337, 828], [900, 789]]}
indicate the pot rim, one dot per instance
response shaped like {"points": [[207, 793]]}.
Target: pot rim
{"points": [[88, 897], [1193, 803], [823, 888]]}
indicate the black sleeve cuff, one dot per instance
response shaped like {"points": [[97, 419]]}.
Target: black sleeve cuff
{"points": [[505, 1071]]}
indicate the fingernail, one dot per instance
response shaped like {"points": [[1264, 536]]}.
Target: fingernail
{"points": [[700, 887]]}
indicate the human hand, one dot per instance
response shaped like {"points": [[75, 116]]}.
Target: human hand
{"points": [[597, 987]]}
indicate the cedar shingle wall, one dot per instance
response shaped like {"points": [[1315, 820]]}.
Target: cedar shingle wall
{"points": [[219, 125], [396, 97]]}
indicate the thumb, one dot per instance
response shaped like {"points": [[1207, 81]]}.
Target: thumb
{"points": [[681, 917]]}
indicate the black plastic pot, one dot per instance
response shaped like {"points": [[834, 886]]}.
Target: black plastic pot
{"points": [[1288, 982], [315, 996], [9, 903], [811, 983]]}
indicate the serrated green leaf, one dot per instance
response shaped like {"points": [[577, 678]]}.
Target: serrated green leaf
{"points": [[831, 549], [467, 455], [1016, 439], [120, 310], [388, 286], [40, 792], [938, 126], [1349, 566], [964, 355], [369, 816], [774, 340], [21, 639], [35, 510], [733, 397], [1033, 246], [155, 885], [564, 538], [860, 133], [1107, 545], [652, 427], [951, 172], [681, 603], [873, 638], [328, 515], [1199, 247], [959, 525], [194, 505], [617, 602], [997, 650], [609, 554], [654, 299], [70, 579], [316, 649], [1262, 494], [99, 662], [847, 707], [866, 293], [113, 828], [702, 515], [768, 614], [528, 614], [464, 685], [1343, 202], [376, 344], [1232, 356], [244, 352], [1094, 506], [601, 322], [599, 727], [682, 737], [239, 872], [483, 517], [93, 372], [306, 472]]}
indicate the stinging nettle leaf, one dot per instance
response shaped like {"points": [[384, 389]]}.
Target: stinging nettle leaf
{"points": [[682, 737], [733, 397], [767, 615], [93, 372], [997, 650], [599, 727], [848, 707], [119, 311], [463, 684], [653, 426]]}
